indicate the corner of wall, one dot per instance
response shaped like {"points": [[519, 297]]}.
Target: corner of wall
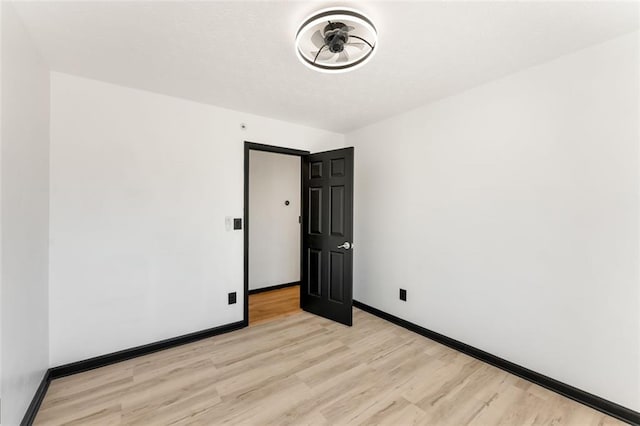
{"points": [[24, 216]]}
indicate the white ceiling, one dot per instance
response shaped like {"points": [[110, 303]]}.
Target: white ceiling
{"points": [[240, 54]]}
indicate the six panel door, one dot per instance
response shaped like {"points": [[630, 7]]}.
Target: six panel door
{"points": [[327, 258]]}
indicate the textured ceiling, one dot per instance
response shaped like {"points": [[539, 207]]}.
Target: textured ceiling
{"points": [[240, 54]]}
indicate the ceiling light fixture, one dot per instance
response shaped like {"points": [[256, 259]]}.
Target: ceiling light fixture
{"points": [[336, 40]]}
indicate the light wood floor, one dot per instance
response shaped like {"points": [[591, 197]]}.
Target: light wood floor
{"points": [[303, 369], [273, 304]]}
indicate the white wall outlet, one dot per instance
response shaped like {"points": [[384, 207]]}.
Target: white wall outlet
{"points": [[228, 223]]}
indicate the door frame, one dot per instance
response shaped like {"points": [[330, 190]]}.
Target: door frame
{"points": [[252, 146]]}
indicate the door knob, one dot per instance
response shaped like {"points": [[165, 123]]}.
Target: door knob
{"points": [[345, 245]]}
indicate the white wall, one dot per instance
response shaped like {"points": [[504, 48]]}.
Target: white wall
{"points": [[510, 214], [140, 187], [274, 230], [1, 50], [25, 199]]}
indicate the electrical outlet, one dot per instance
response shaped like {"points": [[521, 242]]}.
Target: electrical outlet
{"points": [[228, 223], [232, 298], [403, 294]]}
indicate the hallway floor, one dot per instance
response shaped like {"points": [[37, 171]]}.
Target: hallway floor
{"points": [[273, 304]]}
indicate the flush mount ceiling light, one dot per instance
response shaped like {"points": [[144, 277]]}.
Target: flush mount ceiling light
{"points": [[336, 40]]}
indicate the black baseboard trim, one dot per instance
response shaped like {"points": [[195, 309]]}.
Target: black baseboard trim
{"points": [[273, 287], [112, 358], [32, 411], [608, 407]]}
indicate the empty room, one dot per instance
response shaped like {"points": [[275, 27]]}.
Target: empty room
{"points": [[319, 212]]}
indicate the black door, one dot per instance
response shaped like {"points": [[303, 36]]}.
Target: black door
{"points": [[327, 234]]}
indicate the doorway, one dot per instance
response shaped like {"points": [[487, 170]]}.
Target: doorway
{"points": [[273, 211], [298, 233]]}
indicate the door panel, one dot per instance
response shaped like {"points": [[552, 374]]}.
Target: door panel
{"points": [[316, 170], [337, 211], [315, 211], [336, 277], [315, 272], [327, 264]]}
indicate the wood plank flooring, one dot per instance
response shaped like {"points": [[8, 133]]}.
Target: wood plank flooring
{"points": [[303, 369], [273, 304]]}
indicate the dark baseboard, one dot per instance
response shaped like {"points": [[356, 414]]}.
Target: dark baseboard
{"points": [[32, 411], [112, 358], [273, 287], [608, 407]]}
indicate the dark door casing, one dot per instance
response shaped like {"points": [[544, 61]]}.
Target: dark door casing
{"points": [[327, 235]]}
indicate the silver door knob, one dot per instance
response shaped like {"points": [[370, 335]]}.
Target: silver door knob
{"points": [[345, 245]]}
